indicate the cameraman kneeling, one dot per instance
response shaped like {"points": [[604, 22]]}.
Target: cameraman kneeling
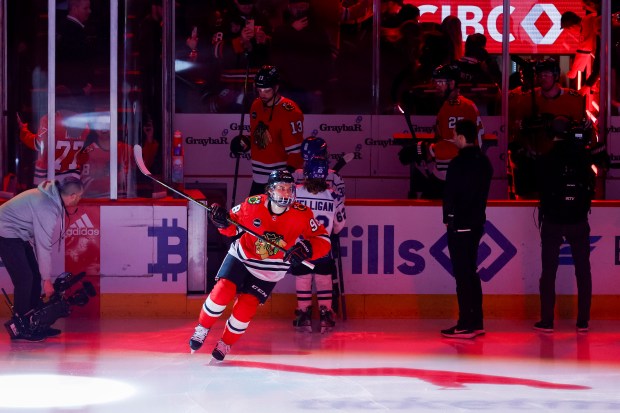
{"points": [[28, 221], [567, 187]]}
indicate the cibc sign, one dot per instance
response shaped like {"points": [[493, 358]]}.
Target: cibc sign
{"points": [[534, 25]]}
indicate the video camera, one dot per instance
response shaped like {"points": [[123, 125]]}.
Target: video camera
{"points": [[59, 305], [578, 133]]}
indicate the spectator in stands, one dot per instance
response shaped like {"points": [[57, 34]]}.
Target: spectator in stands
{"points": [[234, 38], [435, 52], [150, 61], [400, 51], [451, 27], [476, 65], [75, 57], [394, 13], [302, 51], [589, 28]]}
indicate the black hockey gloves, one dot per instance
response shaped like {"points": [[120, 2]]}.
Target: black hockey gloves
{"points": [[219, 216], [239, 144], [299, 252]]}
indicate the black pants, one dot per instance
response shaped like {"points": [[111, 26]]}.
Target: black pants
{"points": [[463, 247], [21, 264], [578, 237]]}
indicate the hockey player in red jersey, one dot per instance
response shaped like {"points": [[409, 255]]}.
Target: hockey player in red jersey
{"points": [[276, 131], [252, 267], [455, 107], [71, 133], [529, 123]]}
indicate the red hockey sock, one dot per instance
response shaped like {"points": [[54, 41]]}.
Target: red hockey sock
{"points": [[243, 312], [216, 302]]}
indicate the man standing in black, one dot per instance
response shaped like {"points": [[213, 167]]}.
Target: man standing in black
{"points": [[75, 55], [567, 182], [464, 203]]}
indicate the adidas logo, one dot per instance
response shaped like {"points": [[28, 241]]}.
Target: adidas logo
{"points": [[83, 226]]}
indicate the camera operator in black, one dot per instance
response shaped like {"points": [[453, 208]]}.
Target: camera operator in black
{"points": [[531, 110], [464, 204], [566, 188], [27, 227]]}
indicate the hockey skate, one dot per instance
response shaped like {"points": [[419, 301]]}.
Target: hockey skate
{"points": [[303, 320], [220, 350], [327, 320], [196, 341]]}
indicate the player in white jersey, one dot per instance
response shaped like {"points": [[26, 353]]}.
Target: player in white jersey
{"points": [[316, 146], [328, 209]]}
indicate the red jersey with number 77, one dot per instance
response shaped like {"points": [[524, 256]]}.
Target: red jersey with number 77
{"points": [[69, 141]]}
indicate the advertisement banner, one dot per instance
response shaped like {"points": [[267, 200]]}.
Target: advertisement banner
{"points": [[534, 25], [144, 249], [206, 143], [403, 250], [82, 242]]}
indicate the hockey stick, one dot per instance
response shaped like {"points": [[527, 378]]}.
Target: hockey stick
{"points": [[343, 161], [343, 301], [238, 156], [137, 153]]}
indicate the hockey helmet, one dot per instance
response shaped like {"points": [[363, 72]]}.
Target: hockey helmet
{"points": [[548, 65], [449, 72], [316, 168], [276, 178], [267, 77], [313, 146]]}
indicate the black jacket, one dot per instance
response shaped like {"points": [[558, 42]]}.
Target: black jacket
{"points": [[467, 188]]}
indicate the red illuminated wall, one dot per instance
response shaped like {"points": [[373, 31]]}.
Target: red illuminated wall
{"points": [[534, 25]]}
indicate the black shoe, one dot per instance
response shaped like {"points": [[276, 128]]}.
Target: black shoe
{"points": [[458, 332], [543, 327], [583, 327], [51, 332]]}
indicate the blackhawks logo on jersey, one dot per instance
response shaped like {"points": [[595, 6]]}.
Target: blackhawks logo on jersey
{"points": [[266, 250], [299, 206], [254, 199], [288, 106]]}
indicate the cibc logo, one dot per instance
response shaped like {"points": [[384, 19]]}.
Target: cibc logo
{"points": [[83, 226], [526, 17]]}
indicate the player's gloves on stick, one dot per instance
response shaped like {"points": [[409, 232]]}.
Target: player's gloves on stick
{"points": [[219, 216], [239, 144], [299, 252]]}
